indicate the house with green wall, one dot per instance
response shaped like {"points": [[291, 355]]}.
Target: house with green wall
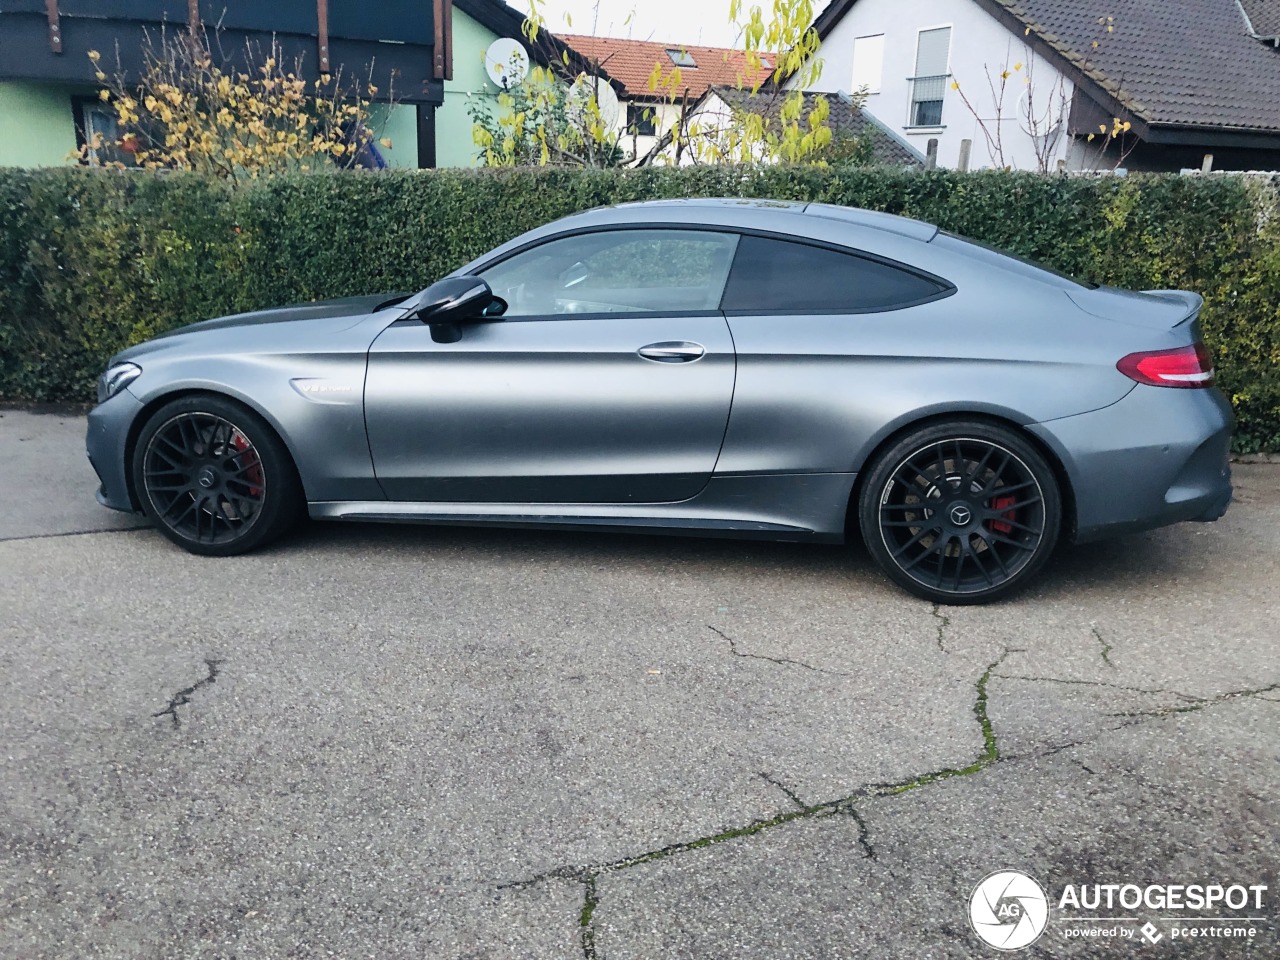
{"points": [[476, 25], [428, 56]]}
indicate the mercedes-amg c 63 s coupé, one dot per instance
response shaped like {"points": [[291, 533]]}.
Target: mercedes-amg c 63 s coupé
{"points": [[713, 367]]}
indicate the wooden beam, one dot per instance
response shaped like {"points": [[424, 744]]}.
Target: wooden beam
{"points": [[322, 36], [442, 55], [426, 115], [448, 39], [55, 25]]}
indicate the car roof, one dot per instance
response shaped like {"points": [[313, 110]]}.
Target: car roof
{"points": [[880, 233], [729, 211]]}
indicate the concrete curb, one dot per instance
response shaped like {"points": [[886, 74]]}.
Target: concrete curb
{"points": [[46, 409]]}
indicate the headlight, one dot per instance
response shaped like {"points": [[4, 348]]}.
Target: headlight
{"points": [[116, 378]]}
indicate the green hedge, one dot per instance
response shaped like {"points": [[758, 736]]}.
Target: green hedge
{"points": [[91, 262]]}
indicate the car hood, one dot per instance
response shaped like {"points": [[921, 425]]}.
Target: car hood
{"points": [[319, 318], [320, 310]]}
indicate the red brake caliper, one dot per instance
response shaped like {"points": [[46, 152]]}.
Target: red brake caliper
{"points": [[1003, 503], [254, 473]]}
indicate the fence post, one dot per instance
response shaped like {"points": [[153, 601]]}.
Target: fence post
{"points": [[931, 154], [1207, 166], [965, 147]]}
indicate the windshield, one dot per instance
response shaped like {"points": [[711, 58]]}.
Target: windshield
{"points": [[1009, 261]]}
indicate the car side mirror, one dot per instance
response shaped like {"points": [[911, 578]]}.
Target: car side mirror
{"points": [[446, 305]]}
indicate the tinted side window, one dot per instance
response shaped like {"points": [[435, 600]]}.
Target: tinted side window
{"points": [[776, 275], [616, 271]]}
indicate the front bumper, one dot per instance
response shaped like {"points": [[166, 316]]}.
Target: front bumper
{"points": [[1157, 457], [107, 442]]}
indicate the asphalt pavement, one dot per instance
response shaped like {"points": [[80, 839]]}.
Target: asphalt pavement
{"points": [[428, 742]]}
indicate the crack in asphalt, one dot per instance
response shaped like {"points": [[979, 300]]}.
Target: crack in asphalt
{"points": [[1192, 708], [588, 876], [782, 661], [590, 900], [785, 789], [1153, 691], [864, 834], [1049, 751], [183, 697], [943, 622], [72, 533], [1106, 648]]}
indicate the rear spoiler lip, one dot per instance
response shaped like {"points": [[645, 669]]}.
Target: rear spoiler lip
{"points": [[1188, 298], [1160, 310]]}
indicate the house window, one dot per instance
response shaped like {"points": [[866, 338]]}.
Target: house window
{"points": [[929, 85], [683, 58], [94, 118], [868, 63], [642, 120]]}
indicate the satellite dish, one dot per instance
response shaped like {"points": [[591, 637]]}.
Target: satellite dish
{"points": [[584, 90], [507, 63]]}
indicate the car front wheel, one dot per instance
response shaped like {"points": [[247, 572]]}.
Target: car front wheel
{"points": [[962, 512], [214, 478]]}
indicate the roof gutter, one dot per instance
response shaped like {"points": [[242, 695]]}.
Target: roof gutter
{"points": [[1207, 136]]}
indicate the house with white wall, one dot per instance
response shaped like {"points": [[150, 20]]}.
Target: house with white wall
{"points": [[683, 75], [1052, 84], [853, 130]]}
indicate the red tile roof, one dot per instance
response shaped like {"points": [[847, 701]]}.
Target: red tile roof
{"points": [[630, 62]]}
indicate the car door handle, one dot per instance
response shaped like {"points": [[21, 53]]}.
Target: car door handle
{"points": [[677, 351]]}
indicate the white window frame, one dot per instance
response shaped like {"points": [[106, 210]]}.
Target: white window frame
{"points": [[911, 103], [879, 74]]}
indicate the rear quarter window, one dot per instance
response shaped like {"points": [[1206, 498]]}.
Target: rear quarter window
{"points": [[782, 276]]}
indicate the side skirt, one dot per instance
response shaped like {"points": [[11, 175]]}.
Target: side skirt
{"points": [[807, 507]]}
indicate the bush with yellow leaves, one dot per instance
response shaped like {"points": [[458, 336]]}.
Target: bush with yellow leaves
{"points": [[235, 120]]}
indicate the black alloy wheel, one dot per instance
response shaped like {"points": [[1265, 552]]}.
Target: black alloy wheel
{"points": [[214, 478], [961, 513]]}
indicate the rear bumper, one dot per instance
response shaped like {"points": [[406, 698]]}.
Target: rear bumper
{"points": [[106, 442], [1157, 457]]}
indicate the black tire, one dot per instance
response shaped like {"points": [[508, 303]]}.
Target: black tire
{"points": [[214, 478], [960, 512]]}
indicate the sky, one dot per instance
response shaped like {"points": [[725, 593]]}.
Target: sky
{"points": [[697, 22]]}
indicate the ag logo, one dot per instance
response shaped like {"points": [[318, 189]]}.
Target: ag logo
{"points": [[1008, 910]]}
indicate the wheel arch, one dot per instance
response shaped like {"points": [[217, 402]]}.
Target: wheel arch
{"points": [[154, 403], [895, 431]]}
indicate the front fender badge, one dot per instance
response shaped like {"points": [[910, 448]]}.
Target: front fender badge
{"points": [[320, 390]]}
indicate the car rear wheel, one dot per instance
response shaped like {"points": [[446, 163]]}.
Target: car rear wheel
{"points": [[214, 478], [961, 512]]}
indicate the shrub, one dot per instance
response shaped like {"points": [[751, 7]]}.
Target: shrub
{"points": [[93, 261]]}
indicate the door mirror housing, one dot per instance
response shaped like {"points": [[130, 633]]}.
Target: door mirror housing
{"points": [[447, 305]]}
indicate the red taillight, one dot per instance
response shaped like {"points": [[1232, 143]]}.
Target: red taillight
{"points": [[1184, 367]]}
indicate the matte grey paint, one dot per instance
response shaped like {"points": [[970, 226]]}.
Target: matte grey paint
{"points": [[566, 423], [567, 411]]}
